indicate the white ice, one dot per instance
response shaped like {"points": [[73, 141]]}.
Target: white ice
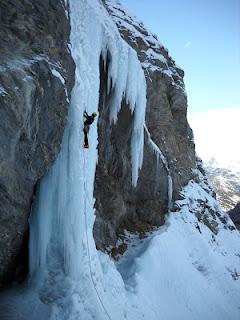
{"points": [[58, 75], [3, 92]]}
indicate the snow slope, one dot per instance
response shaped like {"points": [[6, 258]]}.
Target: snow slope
{"points": [[179, 271], [184, 270], [176, 272]]}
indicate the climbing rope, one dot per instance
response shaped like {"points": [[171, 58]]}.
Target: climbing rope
{"points": [[88, 250]]}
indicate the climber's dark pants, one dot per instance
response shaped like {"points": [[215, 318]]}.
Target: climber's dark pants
{"points": [[85, 130]]}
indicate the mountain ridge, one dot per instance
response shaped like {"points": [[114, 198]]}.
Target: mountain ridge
{"points": [[226, 182]]}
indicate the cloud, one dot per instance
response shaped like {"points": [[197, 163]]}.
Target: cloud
{"points": [[188, 44], [217, 134]]}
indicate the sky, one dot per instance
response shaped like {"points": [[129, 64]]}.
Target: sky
{"points": [[203, 37], [216, 134]]}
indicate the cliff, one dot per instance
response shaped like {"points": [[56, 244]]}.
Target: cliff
{"points": [[36, 77], [169, 153]]}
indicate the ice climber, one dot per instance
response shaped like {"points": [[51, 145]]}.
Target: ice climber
{"points": [[89, 120]]}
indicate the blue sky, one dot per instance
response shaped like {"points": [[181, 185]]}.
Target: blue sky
{"points": [[203, 37]]}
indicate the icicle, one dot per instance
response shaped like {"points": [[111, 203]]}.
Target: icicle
{"points": [[160, 155], [127, 79], [120, 84], [170, 192]]}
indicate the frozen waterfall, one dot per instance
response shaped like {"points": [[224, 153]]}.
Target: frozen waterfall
{"points": [[173, 274], [63, 258]]}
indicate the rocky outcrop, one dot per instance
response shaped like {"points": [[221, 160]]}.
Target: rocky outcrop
{"points": [[235, 215], [36, 77], [169, 152]]}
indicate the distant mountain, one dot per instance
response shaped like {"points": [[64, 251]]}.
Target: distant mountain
{"points": [[226, 183]]}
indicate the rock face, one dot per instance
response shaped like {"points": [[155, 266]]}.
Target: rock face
{"points": [[235, 215], [119, 205], [36, 76], [168, 152], [166, 117]]}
